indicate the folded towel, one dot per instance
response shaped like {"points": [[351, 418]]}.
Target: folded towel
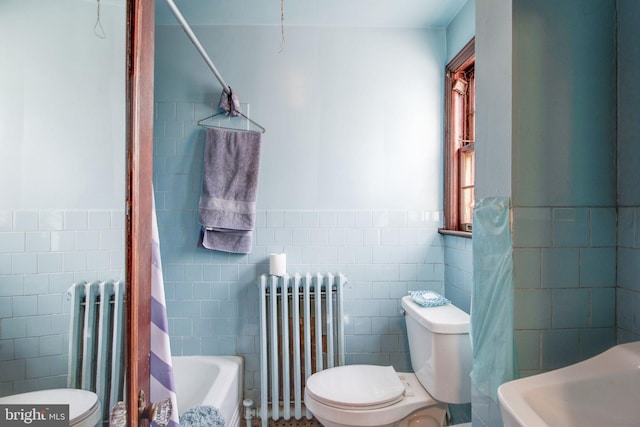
{"points": [[229, 189], [202, 416], [428, 298], [237, 242]]}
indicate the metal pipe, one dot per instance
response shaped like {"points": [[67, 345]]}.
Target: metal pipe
{"points": [[248, 412], [187, 29], [264, 345]]}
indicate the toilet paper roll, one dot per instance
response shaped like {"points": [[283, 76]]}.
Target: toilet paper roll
{"points": [[277, 264]]}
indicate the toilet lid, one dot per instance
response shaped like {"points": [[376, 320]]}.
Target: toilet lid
{"points": [[356, 386], [83, 405]]}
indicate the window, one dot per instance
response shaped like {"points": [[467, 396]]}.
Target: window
{"points": [[459, 155]]}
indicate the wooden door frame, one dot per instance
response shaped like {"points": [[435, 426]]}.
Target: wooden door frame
{"points": [[139, 130]]}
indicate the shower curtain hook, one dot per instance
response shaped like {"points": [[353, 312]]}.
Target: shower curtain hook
{"points": [[97, 29]]}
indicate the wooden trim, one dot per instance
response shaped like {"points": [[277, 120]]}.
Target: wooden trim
{"points": [[140, 52], [451, 172], [464, 58]]}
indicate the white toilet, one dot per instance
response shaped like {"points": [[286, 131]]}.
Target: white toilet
{"points": [[85, 409], [369, 395]]}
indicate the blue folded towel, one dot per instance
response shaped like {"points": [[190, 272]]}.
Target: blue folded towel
{"points": [[428, 298]]}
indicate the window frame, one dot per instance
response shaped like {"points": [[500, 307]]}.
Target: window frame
{"points": [[463, 60]]}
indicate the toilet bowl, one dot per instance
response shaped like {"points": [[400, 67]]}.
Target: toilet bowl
{"points": [[377, 396], [85, 409], [370, 395]]}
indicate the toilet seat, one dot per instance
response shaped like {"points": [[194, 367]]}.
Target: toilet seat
{"points": [[356, 387], [84, 407], [415, 399]]}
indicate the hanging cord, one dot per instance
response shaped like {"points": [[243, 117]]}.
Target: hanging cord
{"points": [[97, 29], [282, 42]]}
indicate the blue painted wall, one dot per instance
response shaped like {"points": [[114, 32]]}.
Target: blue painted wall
{"points": [[628, 292], [553, 110], [62, 168], [350, 177], [566, 304], [461, 29], [458, 259], [564, 180], [353, 115]]}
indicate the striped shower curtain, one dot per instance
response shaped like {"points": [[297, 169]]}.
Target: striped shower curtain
{"points": [[162, 385]]}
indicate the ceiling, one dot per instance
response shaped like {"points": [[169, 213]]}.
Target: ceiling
{"points": [[341, 13]]}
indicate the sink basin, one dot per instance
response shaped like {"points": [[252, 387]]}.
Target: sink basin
{"points": [[600, 391]]}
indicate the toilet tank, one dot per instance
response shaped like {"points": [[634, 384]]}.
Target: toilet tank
{"points": [[440, 348]]}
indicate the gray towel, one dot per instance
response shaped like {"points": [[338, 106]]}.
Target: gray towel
{"points": [[229, 188]]}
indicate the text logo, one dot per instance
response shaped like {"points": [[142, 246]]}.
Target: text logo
{"points": [[34, 415]]}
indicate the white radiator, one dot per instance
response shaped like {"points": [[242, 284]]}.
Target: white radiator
{"points": [[96, 339], [301, 332]]}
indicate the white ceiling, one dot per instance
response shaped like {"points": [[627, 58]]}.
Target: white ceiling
{"points": [[342, 13]]}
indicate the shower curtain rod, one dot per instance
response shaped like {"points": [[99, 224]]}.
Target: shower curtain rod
{"points": [[203, 53], [196, 43]]}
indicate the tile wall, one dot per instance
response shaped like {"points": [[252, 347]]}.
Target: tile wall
{"points": [[628, 292], [458, 271], [565, 276], [628, 297], [212, 296], [41, 254]]}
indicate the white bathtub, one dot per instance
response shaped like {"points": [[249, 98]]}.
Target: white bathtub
{"points": [[212, 381]]}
